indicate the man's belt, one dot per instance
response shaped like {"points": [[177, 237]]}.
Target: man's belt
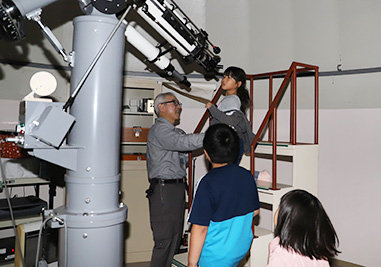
{"points": [[166, 181]]}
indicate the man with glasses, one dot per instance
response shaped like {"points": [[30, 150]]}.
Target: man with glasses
{"points": [[167, 148]]}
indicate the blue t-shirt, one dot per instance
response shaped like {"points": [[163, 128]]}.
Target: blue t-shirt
{"points": [[225, 201]]}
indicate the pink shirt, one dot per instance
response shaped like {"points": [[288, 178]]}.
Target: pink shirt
{"points": [[281, 257]]}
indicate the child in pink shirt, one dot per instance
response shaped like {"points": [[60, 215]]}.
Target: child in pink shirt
{"points": [[304, 234]]}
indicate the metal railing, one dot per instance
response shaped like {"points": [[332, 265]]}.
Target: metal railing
{"points": [[289, 76], [199, 127]]}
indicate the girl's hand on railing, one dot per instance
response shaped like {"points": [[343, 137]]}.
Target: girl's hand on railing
{"points": [[208, 105]]}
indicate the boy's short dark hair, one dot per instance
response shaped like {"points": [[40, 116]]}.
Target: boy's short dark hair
{"points": [[221, 143]]}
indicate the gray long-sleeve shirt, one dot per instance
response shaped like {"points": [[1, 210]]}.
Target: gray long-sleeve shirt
{"points": [[167, 148], [238, 121]]}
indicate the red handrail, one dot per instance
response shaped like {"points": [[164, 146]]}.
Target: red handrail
{"points": [[197, 130], [271, 115]]}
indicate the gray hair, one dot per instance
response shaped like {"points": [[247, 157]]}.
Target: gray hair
{"points": [[160, 98]]}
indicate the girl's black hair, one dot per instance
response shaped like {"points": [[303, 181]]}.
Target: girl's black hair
{"points": [[239, 75], [304, 226]]}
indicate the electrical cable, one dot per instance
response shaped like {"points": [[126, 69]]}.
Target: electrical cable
{"points": [[7, 196], [39, 239], [66, 244], [61, 221]]}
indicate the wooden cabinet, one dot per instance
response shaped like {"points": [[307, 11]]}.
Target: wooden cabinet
{"points": [[134, 183]]}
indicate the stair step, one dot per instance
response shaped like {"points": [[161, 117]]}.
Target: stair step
{"points": [[260, 247], [262, 232], [283, 149], [180, 260], [269, 196], [268, 185]]}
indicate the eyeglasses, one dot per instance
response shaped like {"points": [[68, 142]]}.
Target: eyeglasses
{"points": [[176, 103]]}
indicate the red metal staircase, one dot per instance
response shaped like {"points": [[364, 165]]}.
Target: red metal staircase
{"points": [[290, 76]]}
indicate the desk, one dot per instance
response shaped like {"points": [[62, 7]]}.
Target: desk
{"points": [[36, 182], [27, 181], [6, 224]]}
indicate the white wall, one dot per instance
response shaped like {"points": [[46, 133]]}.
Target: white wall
{"points": [[349, 180]]}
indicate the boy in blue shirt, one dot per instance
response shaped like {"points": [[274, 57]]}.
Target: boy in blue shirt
{"points": [[224, 206]]}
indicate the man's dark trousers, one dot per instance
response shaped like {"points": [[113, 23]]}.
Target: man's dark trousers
{"points": [[166, 205]]}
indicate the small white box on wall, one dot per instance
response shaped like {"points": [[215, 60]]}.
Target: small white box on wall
{"points": [[150, 107]]}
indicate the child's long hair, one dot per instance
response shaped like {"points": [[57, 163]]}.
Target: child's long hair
{"points": [[304, 226], [239, 75]]}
